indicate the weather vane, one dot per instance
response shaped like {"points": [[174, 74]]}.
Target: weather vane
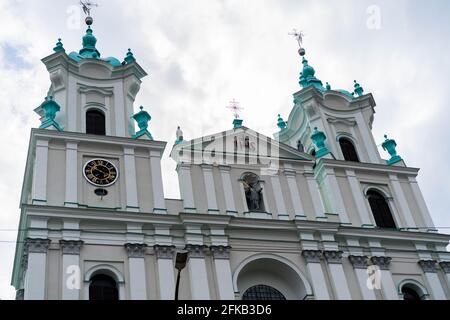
{"points": [[87, 7], [298, 35], [234, 106]]}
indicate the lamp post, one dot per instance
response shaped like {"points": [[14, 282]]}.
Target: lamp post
{"points": [[180, 263]]}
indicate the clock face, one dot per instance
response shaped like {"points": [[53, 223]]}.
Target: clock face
{"points": [[100, 172]]}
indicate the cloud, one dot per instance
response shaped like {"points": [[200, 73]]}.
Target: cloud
{"points": [[200, 54]]}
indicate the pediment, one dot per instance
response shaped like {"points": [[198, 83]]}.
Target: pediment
{"points": [[243, 145]]}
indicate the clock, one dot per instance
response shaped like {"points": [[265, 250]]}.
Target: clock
{"points": [[100, 172]]}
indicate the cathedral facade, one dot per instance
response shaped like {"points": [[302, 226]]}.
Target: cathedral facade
{"points": [[313, 213]]}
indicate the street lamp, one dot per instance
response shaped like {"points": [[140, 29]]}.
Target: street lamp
{"points": [[180, 263]]}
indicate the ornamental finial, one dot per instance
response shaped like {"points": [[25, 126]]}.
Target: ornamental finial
{"points": [[298, 35], [358, 89], [87, 7], [59, 46]]}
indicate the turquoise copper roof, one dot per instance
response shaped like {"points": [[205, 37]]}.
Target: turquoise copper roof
{"points": [[89, 51]]}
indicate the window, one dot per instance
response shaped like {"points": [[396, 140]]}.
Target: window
{"points": [[95, 122], [380, 210], [410, 294], [348, 150], [103, 287], [262, 292], [253, 192], [313, 152]]}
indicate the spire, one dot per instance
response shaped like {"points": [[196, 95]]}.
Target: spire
{"points": [[142, 118], [89, 40], [307, 77], [59, 46], [389, 145], [281, 123]]}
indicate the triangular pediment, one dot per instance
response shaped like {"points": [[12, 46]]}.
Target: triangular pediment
{"points": [[242, 144]]}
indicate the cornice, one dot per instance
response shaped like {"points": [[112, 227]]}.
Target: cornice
{"points": [[324, 163], [83, 137]]}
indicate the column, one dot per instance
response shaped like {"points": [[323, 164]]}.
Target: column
{"points": [[299, 212], [228, 190], [315, 196], [429, 268], [186, 190], [337, 274], [35, 277], [445, 266], [165, 271], [197, 272], [221, 255], [359, 264], [136, 266], [39, 190], [159, 204], [367, 138], [71, 272], [429, 225], [71, 198], [388, 286], [315, 271], [210, 188], [401, 200], [334, 193], [279, 201], [358, 196], [130, 180]]}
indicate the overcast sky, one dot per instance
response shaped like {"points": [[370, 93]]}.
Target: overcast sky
{"points": [[200, 54]]}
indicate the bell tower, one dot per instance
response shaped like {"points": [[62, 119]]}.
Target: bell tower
{"points": [[84, 84], [85, 159], [343, 118]]}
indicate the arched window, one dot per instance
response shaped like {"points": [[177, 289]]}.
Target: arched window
{"points": [[262, 292], [313, 152], [253, 192], [380, 210], [95, 122], [348, 150], [103, 287], [410, 293]]}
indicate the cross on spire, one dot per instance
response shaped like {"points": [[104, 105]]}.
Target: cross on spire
{"points": [[234, 106]]}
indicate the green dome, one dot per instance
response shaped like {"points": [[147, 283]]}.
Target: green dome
{"points": [[89, 42], [308, 71]]}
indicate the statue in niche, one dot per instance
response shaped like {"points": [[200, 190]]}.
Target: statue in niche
{"points": [[253, 192]]}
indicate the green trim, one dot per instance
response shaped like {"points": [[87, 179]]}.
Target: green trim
{"points": [[163, 209], [215, 210], [331, 213], [38, 200], [345, 224], [367, 226], [231, 211], [189, 208], [132, 207], [68, 202]]}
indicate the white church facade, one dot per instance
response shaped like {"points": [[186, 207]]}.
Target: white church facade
{"points": [[315, 213]]}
